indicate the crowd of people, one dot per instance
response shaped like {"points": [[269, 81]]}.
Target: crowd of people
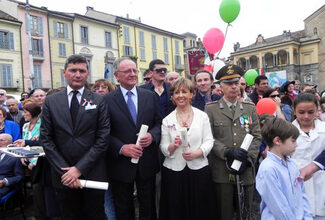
{"points": [[183, 166]]}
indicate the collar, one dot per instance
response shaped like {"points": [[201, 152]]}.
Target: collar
{"points": [[277, 159], [229, 103], [133, 90], [69, 89]]}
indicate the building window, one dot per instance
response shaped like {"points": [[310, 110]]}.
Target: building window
{"points": [[184, 43], [60, 30], [176, 47], [84, 34], [36, 25], [141, 38], [62, 51], [153, 42], [154, 55], [110, 76], [165, 44], [242, 63], [253, 62], [37, 76], [142, 54], [6, 75], [126, 35], [127, 51], [37, 47], [6, 40], [282, 57], [108, 39], [315, 30], [269, 60], [166, 58], [63, 79], [178, 60]]}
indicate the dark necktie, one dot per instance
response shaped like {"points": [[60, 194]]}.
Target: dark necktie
{"points": [[131, 107], [74, 107], [233, 109]]}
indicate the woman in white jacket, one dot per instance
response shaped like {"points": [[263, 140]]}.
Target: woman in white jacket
{"points": [[186, 187], [310, 143]]}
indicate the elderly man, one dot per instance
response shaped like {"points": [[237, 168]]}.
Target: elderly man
{"points": [[11, 169], [39, 95], [172, 76], [230, 121], [14, 111]]}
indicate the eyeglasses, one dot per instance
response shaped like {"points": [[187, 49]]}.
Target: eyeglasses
{"points": [[273, 96], [146, 79], [2, 94], [129, 71], [160, 70]]}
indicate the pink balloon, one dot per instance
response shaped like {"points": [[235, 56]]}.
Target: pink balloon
{"points": [[213, 40]]}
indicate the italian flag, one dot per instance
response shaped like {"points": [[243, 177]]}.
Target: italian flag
{"points": [[207, 62]]}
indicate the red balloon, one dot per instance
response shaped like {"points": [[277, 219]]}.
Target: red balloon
{"points": [[266, 106], [213, 40]]}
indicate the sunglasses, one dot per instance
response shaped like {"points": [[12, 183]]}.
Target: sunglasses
{"points": [[146, 79], [1, 94], [160, 70], [273, 96]]}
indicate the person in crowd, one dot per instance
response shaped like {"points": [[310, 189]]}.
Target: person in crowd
{"points": [[297, 88], [203, 82], [74, 134], [322, 109], [171, 77], [147, 76], [261, 85], [14, 111], [11, 170], [39, 95], [243, 86], [23, 96], [318, 164], [288, 89], [277, 181], [217, 90], [275, 96], [158, 85], [103, 87], [231, 120], [129, 108], [310, 143], [186, 177], [9, 127], [249, 89], [3, 99]]}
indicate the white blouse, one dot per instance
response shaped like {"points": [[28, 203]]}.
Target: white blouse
{"points": [[199, 135]]}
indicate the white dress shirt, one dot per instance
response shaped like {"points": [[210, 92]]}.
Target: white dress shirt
{"points": [[199, 135], [70, 94], [134, 96]]}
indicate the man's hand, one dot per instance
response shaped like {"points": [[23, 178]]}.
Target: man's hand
{"points": [[146, 140], [70, 178], [2, 183], [307, 172], [75, 185], [20, 143], [132, 150]]}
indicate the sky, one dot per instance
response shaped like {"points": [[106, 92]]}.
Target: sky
{"points": [[267, 17]]}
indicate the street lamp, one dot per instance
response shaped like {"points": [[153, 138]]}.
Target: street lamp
{"points": [[30, 55]]}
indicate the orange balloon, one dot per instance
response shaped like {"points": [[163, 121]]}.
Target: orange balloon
{"points": [[266, 106]]}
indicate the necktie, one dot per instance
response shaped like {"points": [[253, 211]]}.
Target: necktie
{"points": [[74, 107], [131, 107], [233, 108]]}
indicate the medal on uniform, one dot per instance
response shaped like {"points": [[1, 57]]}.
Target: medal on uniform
{"points": [[242, 121], [246, 122]]}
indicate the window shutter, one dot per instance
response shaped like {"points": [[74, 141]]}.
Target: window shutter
{"points": [[66, 31], [40, 25], [11, 41], [63, 50], [131, 51], [41, 45], [55, 24]]}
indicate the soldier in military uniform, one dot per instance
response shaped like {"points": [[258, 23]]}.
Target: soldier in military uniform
{"points": [[230, 121]]}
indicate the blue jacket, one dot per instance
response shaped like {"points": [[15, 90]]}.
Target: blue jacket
{"points": [[13, 129], [198, 100]]}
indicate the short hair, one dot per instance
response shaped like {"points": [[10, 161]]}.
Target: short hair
{"points": [[4, 112], [322, 101], [13, 98], [31, 94], [118, 61], [181, 82], [259, 78], [75, 58], [203, 71], [305, 97], [7, 137], [33, 108], [146, 72], [277, 127], [3, 91], [110, 86], [154, 62], [170, 73], [268, 92]]}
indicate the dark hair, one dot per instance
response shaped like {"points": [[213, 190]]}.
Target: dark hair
{"points": [[75, 59], [258, 79], [305, 97], [146, 72], [154, 62], [181, 82], [33, 108], [203, 71], [277, 127], [322, 101], [268, 92], [4, 112], [286, 100]]}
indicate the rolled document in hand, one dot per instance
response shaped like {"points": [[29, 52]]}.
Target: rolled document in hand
{"points": [[94, 184], [245, 145], [143, 131], [183, 135]]}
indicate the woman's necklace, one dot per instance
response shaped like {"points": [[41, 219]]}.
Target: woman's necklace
{"points": [[184, 119]]}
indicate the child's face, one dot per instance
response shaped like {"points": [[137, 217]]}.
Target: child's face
{"points": [[306, 112], [288, 147]]}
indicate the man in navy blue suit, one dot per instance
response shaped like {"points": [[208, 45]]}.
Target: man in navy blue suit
{"points": [[11, 169], [317, 164]]}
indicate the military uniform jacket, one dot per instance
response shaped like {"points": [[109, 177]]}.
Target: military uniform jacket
{"points": [[229, 130]]}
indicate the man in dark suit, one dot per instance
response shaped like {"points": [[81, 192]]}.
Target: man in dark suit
{"points": [[129, 108], [75, 134], [203, 81], [158, 85], [11, 169]]}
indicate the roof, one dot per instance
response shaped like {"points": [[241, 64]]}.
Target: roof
{"points": [[318, 11], [4, 15]]}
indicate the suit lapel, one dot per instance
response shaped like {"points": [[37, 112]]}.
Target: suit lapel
{"points": [[141, 106], [120, 101], [238, 111], [87, 96], [63, 104], [226, 110]]}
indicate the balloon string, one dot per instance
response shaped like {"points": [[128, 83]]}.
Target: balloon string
{"points": [[225, 39]]}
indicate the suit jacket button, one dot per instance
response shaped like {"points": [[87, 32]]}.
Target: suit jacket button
{"points": [[235, 134], [235, 144], [235, 124]]}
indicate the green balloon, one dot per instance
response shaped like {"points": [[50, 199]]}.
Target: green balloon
{"points": [[229, 10], [250, 76]]}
